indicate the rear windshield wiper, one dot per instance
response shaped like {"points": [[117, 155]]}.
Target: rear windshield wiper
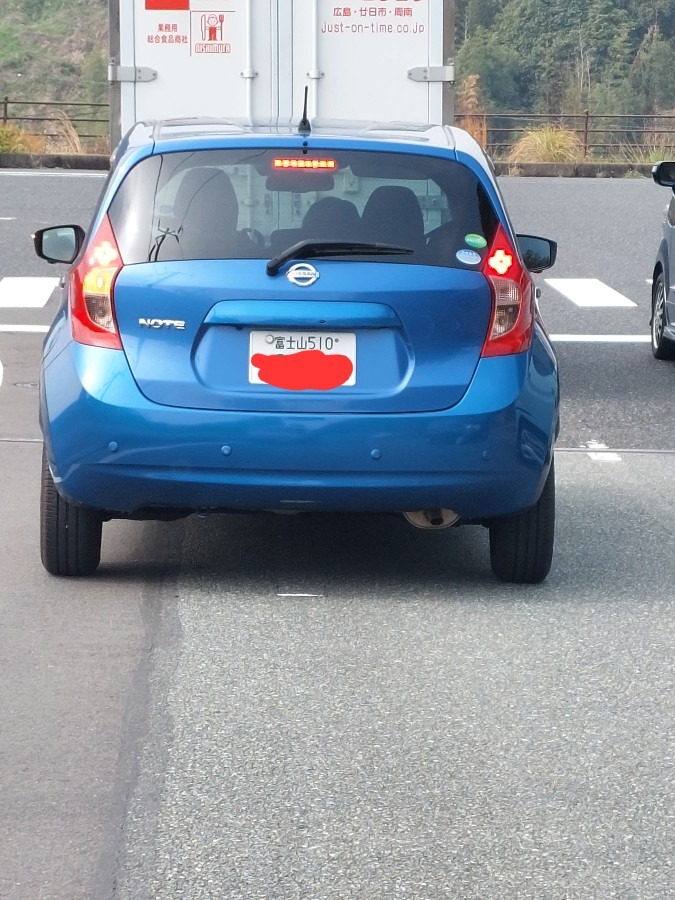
{"points": [[309, 249]]}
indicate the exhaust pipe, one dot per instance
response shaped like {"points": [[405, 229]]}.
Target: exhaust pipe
{"points": [[432, 518]]}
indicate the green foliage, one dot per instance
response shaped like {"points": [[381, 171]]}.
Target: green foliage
{"points": [[13, 140], [33, 9], [497, 67], [564, 56], [95, 76], [51, 49], [545, 56], [652, 71], [646, 153]]}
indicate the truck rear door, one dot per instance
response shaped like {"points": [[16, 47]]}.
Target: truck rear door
{"points": [[184, 58], [371, 60], [376, 60]]}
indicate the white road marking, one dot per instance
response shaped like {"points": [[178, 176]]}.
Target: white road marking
{"points": [[589, 292], [26, 293], [600, 452], [24, 329], [601, 338], [21, 173], [7, 218], [1, 372], [556, 338], [299, 595]]}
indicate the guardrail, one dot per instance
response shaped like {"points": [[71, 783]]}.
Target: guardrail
{"points": [[602, 136], [623, 137], [60, 123]]}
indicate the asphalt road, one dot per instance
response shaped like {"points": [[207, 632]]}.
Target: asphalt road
{"points": [[251, 707]]}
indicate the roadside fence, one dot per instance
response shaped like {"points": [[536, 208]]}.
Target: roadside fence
{"points": [[83, 127], [626, 137], [77, 127]]}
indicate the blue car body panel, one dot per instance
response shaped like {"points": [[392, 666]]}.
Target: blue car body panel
{"points": [[419, 331], [486, 456]]}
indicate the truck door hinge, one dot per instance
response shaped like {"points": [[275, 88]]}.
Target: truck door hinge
{"points": [[131, 73], [433, 73]]}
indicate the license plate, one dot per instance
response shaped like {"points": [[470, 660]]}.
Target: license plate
{"points": [[321, 360]]}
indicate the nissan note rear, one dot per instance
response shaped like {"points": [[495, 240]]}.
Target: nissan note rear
{"points": [[266, 319]]}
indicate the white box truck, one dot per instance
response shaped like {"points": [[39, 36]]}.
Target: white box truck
{"points": [[375, 60]]}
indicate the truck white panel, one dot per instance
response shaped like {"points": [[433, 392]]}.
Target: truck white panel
{"points": [[356, 56], [253, 58]]}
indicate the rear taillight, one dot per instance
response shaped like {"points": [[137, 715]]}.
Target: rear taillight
{"points": [[512, 299], [91, 291]]}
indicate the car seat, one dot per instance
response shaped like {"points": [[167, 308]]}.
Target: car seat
{"points": [[206, 213], [392, 215], [331, 218]]}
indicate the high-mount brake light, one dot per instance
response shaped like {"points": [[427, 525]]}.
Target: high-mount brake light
{"points": [[512, 319], [91, 291], [291, 162]]}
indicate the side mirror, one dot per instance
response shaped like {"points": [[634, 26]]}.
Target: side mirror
{"points": [[538, 253], [663, 173], [59, 245]]}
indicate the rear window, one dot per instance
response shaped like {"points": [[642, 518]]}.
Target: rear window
{"points": [[250, 204]]}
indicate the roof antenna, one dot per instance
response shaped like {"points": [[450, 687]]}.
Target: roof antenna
{"points": [[305, 127]]}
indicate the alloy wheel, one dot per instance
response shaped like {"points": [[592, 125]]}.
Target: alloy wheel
{"points": [[658, 313]]}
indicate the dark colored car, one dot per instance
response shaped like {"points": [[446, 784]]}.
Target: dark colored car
{"points": [[282, 319], [663, 294]]}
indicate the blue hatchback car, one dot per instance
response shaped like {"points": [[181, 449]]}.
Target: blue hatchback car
{"points": [[322, 318]]}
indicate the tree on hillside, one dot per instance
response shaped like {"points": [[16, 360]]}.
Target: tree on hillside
{"points": [[651, 73], [647, 13], [545, 37], [497, 68], [473, 14], [567, 55], [33, 9]]}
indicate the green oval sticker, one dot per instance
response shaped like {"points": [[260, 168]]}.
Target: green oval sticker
{"points": [[475, 240]]}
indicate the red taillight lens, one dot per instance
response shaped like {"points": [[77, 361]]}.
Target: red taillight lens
{"points": [[293, 162], [91, 291], [512, 299]]}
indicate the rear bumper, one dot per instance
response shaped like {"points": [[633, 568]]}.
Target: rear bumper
{"points": [[112, 449]]}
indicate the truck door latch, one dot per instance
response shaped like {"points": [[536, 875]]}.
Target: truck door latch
{"points": [[433, 73], [131, 73]]}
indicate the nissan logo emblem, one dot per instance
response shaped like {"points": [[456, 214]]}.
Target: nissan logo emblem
{"points": [[302, 274]]}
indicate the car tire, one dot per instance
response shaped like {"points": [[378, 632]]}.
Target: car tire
{"points": [[662, 347], [521, 547], [70, 536]]}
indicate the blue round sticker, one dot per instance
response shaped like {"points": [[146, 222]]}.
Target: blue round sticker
{"points": [[469, 257]]}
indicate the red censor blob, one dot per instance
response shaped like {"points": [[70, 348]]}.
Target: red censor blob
{"points": [[308, 370]]}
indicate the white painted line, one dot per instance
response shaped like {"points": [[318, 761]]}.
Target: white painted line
{"points": [[21, 173], [7, 218], [556, 338], [26, 293], [589, 292], [605, 457], [601, 338], [299, 595], [24, 329], [646, 451], [601, 453], [1, 372]]}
